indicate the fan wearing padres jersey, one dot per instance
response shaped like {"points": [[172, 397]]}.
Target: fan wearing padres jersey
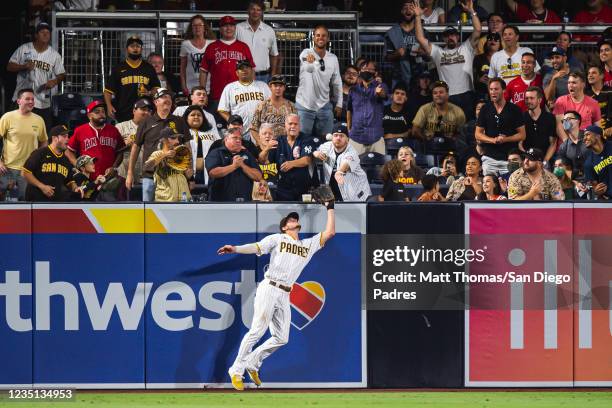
{"points": [[242, 97], [289, 255]]}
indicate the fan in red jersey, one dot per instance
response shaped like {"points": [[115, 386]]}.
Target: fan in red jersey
{"points": [[515, 91]]}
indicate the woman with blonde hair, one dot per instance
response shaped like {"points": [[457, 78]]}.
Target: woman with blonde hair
{"points": [[198, 36], [411, 173]]}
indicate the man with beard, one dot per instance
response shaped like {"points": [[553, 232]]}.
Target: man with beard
{"points": [[540, 125], [130, 80], [454, 61], [349, 78], [98, 140], [506, 63], [555, 81], [400, 42], [533, 182], [515, 91], [598, 162]]}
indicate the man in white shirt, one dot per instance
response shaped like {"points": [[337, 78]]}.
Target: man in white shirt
{"points": [[454, 62], [506, 63], [241, 97], [261, 39], [318, 69]]}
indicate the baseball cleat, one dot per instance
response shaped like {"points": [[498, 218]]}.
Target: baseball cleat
{"points": [[254, 374], [237, 382]]}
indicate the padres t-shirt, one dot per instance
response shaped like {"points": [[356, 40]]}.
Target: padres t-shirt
{"points": [[242, 99], [128, 82], [50, 168]]}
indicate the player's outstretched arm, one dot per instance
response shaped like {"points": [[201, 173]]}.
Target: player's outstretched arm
{"points": [[226, 249], [241, 249], [330, 228]]}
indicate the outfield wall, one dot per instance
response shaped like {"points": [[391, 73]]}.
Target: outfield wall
{"points": [[134, 296]]}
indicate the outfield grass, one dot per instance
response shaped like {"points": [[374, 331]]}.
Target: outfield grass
{"points": [[540, 399]]}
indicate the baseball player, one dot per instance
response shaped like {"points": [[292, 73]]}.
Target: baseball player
{"points": [[341, 168], [289, 256], [241, 97]]}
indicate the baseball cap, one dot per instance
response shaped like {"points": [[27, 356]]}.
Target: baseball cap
{"points": [[557, 51], [94, 104], [341, 128], [425, 74], [59, 130], [161, 92], [43, 26], [243, 63], [167, 132], [534, 154], [143, 102], [277, 79], [235, 119], [133, 39], [594, 129], [283, 221], [83, 160], [225, 20], [450, 30]]}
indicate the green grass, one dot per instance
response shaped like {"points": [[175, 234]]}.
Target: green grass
{"points": [[255, 399]]}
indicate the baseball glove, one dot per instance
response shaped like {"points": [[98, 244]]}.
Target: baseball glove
{"points": [[324, 195]]}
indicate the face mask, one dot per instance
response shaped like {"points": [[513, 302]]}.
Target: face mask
{"points": [[366, 76], [513, 166], [559, 172], [133, 56], [567, 125]]}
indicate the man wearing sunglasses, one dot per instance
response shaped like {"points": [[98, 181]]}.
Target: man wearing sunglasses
{"points": [[318, 69]]}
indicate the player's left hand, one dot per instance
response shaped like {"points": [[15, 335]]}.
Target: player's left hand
{"points": [[226, 249]]}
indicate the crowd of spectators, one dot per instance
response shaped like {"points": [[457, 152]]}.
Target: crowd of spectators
{"points": [[475, 118]]}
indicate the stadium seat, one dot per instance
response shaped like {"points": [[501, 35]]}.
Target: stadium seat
{"points": [[372, 164], [425, 161], [69, 109], [394, 144]]}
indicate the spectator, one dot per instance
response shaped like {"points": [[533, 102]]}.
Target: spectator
{"points": [[467, 132], [432, 14], [454, 61], [422, 94], [540, 125], [170, 182], [469, 186], [231, 170], [535, 13], [318, 69], [573, 148], [532, 181], [268, 141], [130, 80], [273, 110], [438, 122], [482, 64], [602, 94], [261, 39], [448, 172], [555, 81], [21, 132], [564, 42], [40, 68], [515, 91], [605, 56], [261, 192], [515, 161], [398, 115], [431, 189], [49, 176], [400, 43], [491, 189], [235, 122], [88, 189], [506, 63], [198, 97], [293, 156], [198, 37], [495, 25], [393, 190], [341, 167], [563, 171], [143, 108], [242, 97], [596, 12], [365, 109], [349, 78], [220, 60], [203, 134], [500, 128], [166, 80], [576, 100], [148, 136], [598, 162], [411, 173], [457, 13], [99, 140]]}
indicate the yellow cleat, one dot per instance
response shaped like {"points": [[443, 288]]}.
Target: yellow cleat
{"points": [[254, 374], [237, 382]]}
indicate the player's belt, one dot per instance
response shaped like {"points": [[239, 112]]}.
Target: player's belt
{"points": [[280, 286]]}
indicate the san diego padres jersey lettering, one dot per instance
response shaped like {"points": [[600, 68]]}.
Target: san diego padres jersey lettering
{"points": [[135, 79], [54, 168], [294, 249], [249, 96]]}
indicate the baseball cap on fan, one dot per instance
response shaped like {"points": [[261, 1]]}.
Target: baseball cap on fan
{"points": [[93, 105], [283, 221], [42, 26], [243, 63], [133, 39], [534, 154], [225, 20], [162, 92]]}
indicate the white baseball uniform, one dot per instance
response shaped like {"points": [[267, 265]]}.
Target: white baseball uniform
{"points": [[272, 308], [355, 186], [242, 99]]}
